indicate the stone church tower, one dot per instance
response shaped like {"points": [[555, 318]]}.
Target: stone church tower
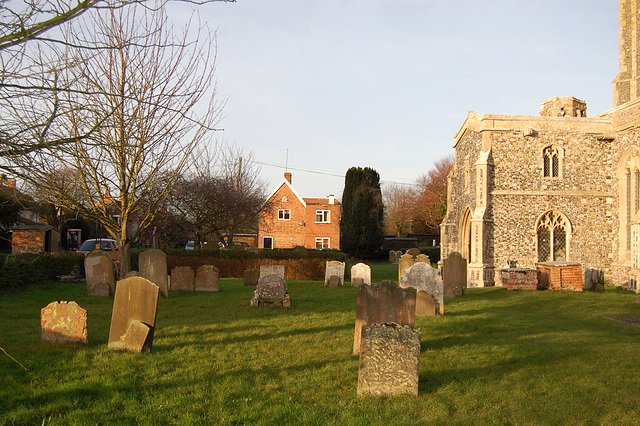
{"points": [[556, 187]]}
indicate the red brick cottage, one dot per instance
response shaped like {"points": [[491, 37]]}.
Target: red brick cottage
{"points": [[288, 220]]}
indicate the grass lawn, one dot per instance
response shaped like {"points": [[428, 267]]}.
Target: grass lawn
{"points": [[495, 357]]}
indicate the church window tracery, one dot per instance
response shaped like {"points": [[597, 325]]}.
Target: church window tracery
{"points": [[554, 234], [551, 161]]}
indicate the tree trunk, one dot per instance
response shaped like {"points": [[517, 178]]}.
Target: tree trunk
{"points": [[125, 258]]}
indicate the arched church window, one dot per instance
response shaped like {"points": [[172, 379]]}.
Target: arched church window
{"points": [[554, 233], [551, 158]]}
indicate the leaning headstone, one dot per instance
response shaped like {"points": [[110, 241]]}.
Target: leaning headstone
{"points": [[271, 270], [98, 269], [207, 278], [422, 276], [454, 275], [334, 268], [133, 319], [423, 258], [425, 304], [64, 322], [389, 360], [360, 271], [404, 263], [385, 302], [251, 277], [271, 291], [153, 266], [413, 251], [182, 278]]}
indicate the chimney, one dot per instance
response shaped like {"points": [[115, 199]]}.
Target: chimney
{"points": [[332, 199], [287, 176]]}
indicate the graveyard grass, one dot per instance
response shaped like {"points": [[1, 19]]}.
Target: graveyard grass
{"points": [[495, 357]]}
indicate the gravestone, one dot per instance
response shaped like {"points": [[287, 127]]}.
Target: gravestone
{"points": [[454, 275], [404, 263], [592, 278], [207, 278], [357, 282], [271, 291], [333, 267], [64, 322], [422, 276], [394, 256], [360, 271], [413, 251], [423, 258], [271, 270], [153, 266], [132, 274], [182, 278], [389, 360], [334, 281], [425, 304], [98, 270], [133, 319], [251, 277], [385, 302]]}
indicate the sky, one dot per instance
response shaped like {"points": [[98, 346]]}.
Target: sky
{"points": [[320, 86]]}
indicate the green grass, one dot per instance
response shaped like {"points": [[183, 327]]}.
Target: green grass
{"points": [[495, 357]]}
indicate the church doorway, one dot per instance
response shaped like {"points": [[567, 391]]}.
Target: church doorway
{"points": [[465, 236]]}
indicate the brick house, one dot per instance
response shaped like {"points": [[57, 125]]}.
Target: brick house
{"points": [[288, 220]]}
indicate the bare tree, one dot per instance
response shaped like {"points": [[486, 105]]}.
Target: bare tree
{"points": [[399, 208], [430, 199], [143, 107], [223, 196]]}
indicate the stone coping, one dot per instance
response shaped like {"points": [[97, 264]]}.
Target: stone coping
{"points": [[558, 263]]}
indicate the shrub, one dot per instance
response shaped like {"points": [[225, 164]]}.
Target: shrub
{"points": [[18, 271]]}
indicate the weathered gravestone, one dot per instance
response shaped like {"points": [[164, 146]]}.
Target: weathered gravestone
{"points": [[182, 278], [454, 275], [389, 360], [425, 304], [133, 319], [64, 322], [251, 277], [271, 270], [405, 262], [413, 251], [207, 278], [334, 281], [360, 271], [423, 258], [334, 268], [394, 256], [132, 274], [153, 266], [98, 269], [271, 291], [593, 278], [385, 302], [422, 276]]}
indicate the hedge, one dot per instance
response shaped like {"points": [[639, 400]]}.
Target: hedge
{"points": [[24, 269]]}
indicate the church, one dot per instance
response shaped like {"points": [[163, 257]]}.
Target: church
{"points": [[560, 186]]}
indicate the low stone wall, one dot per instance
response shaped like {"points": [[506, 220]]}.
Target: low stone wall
{"points": [[517, 278]]}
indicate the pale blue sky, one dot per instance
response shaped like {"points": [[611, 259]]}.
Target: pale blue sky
{"points": [[387, 84]]}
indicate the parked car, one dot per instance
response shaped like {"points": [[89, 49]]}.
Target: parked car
{"points": [[106, 244], [191, 245]]}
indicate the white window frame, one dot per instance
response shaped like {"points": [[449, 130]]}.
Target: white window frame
{"points": [[265, 238], [325, 216], [284, 214], [321, 240]]}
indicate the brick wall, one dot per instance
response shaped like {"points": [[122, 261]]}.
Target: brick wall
{"points": [[517, 278], [27, 241], [560, 276]]}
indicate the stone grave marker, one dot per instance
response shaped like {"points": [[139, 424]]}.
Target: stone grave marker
{"points": [[425, 304], [251, 277], [405, 262], [423, 258], [357, 282], [385, 302], [334, 281], [360, 271], [422, 276], [98, 269], [454, 275], [271, 291], [153, 266], [333, 267], [413, 251], [182, 278], [64, 322], [132, 274], [271, 269], [133, 319], [389, 360], [207, 278]]}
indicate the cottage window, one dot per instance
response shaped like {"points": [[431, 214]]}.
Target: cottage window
{"points": [[284, 214], [554, 233], [322, 243], [551, 158], [323, 216]]}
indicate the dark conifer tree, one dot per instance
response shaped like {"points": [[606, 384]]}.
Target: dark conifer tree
{"points": [[362, 212]]}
